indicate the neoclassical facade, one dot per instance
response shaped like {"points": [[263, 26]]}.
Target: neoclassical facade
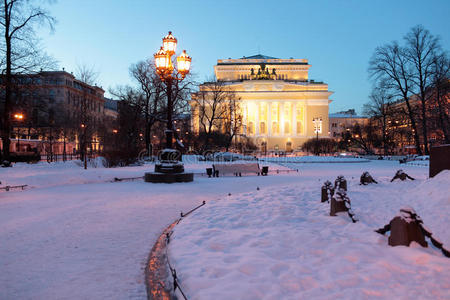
{"points": [[280, 106]]}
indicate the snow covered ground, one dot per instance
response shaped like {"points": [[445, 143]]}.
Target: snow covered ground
{"points": [[74, 234], [281, 243]]}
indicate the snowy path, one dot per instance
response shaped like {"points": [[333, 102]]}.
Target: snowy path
{"points": [[91, 241]]}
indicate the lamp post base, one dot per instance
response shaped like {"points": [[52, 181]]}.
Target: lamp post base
{"points": [[156, 177], [169, 169]]}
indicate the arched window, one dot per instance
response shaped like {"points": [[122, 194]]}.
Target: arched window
{"points": [[275, 128], [250, 128], [262, 128], [299, 127], [286, 127]]}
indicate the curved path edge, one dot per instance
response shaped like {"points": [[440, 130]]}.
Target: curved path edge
{"points": [[157, 273]]}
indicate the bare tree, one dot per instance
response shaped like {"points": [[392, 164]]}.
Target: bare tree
{"points": [[152, 91], [211, 105], [390, 64], [153, 101], [421, 50], [87, 74], [439, 92], [20, 51], [124, 146], [379, 108], [233, 119]]}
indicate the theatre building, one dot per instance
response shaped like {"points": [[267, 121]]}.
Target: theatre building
{"points": [[281, 107]]}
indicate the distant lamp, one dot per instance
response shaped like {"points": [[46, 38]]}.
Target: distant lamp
{"points": [[18, 117], [170, 44], [184, 63]]}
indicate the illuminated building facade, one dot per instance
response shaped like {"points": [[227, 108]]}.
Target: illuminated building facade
{"points": [[281, 108]]}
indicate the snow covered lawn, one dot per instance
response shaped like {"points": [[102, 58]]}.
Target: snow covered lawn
{"points": [[74, 234], [281, 243]]}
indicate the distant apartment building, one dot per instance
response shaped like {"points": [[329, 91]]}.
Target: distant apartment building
{"points": [[55, 105], [399, 126], [341, 121]]}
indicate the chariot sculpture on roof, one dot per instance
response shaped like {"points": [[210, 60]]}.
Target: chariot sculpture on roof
{"points": [[263, 73]]}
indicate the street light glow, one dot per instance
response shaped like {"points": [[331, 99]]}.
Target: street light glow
{"points": [[18, 116]]}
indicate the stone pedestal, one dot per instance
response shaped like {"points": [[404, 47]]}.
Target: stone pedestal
{"points": [[156, 177], [439, 159], [340, 183], [169, 169], [404, 232], [327, 191], [337, 206], [366, 179]]}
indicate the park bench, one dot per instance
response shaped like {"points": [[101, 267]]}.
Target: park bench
{"points": [[8, 187], [236, 169]]}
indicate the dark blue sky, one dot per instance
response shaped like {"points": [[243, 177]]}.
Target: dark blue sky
{"points": [[337, 37]]}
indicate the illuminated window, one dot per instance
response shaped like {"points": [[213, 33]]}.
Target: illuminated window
{"points": [[274, 112], [299, 127], [263, 112], [286, 127], [262, 128], [275, 129], [250, 128]]}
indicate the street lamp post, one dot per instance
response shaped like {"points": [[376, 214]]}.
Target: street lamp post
{"points": [[18, 117], [84, 145], [165, 70], [169, 159], [317, 129]]}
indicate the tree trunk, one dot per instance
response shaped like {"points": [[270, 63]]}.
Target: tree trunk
{"points": [[424, 128], [8, 83], [413, 125]]}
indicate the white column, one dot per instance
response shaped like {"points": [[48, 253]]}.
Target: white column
{"points": [[245, 117], [269, 119], [294, 119], [281, 114], [306, 119], [257, 118]]}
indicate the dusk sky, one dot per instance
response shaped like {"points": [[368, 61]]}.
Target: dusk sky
{"points": [[337, 37]]}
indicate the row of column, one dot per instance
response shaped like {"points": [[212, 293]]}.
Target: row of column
{"points": [[281, 118]]}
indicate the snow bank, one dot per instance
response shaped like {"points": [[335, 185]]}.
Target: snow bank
{"points": [[282, 244]]}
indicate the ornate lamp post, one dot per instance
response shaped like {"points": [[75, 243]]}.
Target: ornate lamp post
{"points": [[169, 159]]}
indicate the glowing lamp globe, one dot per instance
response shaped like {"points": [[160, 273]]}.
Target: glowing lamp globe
{"points": [[169, 43], [184, 63], [18, 116], [162, 61]]}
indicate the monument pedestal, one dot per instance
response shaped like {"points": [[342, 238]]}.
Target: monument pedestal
{"points": [[169, 171]]}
